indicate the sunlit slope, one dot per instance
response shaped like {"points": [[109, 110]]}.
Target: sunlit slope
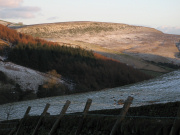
{"points": [[160, 90], [140, 44]]}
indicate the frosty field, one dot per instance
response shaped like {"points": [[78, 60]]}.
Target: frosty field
{"points": [[159, 90]]}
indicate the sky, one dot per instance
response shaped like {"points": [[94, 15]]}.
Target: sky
{"points": [[163, 15]]}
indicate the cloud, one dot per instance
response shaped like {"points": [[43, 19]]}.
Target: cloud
{"points": [[170, 30], [13, 9], [20, 12], [52, 18], [10, 3]]}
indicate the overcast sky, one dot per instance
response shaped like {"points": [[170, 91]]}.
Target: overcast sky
{"points": [[161, 14]]}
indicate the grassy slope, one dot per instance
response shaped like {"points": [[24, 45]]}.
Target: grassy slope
{"points": [[111, 40]]}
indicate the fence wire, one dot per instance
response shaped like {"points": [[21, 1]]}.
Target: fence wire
{"points": [[76, 106]]}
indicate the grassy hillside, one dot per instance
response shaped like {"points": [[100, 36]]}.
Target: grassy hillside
{"points": [[133, 45], [66, 29], [85, 69], [5, 23]]}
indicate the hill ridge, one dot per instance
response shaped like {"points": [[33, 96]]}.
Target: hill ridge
{"points": [[120, 41], [86, 27]]}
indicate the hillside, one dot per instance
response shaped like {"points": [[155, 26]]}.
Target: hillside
{"points": [[88, 71], [5, 23], [159, 90], [11, 24], [133, 45], [18, 83], [27, 78]]}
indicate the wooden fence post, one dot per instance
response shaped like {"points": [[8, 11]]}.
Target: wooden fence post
{"points": [[41, 117], [122, 115], [176, 125], [63, 111], [86, 109], [21, 121]]}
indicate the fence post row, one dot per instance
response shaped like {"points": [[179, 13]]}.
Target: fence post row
{"points": [[176, 125], [86, 109], [20, 123], [41, 117], [63, 111], [122, 115]]}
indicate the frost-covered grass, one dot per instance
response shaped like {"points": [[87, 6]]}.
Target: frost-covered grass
{"points": [[25, 77], [159, 90]]}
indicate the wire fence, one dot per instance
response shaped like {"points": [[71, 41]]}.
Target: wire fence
{"points": [[11, 111]]}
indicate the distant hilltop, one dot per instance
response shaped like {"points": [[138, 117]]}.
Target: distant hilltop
{"points": [[5, 23], [10, 24], [76, 29]]}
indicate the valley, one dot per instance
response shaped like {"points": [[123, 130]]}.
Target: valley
{"points": [[146, 49], [105, 62], [27, 61]]}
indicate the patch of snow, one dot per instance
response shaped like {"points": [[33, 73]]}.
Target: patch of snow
{"points": [[25, 77], [159, 90]]}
